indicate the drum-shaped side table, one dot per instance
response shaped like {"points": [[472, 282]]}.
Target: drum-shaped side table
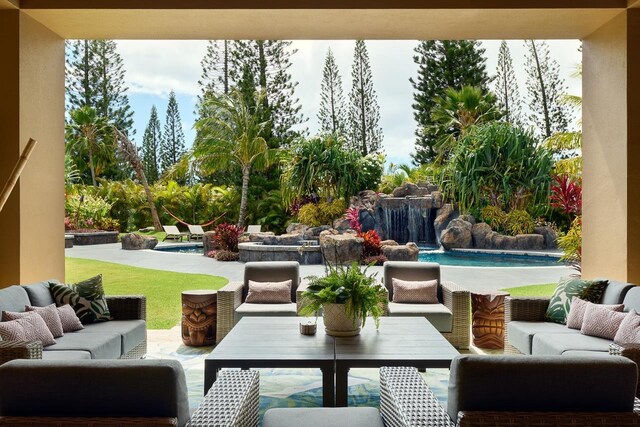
{"points": [[199, 309], [487, 324]]}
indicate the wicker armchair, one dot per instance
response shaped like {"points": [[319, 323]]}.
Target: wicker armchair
{"points": [[530, 309], [405, 400], [231, 298], [456, 299], [130, 393], [122, 307]]}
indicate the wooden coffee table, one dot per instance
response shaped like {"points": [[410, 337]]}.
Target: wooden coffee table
{"points": [[400, 341], [275, 342]]}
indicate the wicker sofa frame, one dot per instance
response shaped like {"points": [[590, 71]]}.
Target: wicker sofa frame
{"points": [[122, 307], [405, 400]]}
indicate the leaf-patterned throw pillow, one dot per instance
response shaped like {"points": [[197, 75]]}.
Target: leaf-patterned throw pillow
{"points": [[87, 299], [567, 290]]}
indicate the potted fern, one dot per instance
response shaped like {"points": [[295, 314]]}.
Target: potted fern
{"points": [[346, 295]]}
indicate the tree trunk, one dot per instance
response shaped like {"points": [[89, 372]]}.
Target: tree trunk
{"points": [[92, 167], [543, 92], [131, 155], [244, 197]]}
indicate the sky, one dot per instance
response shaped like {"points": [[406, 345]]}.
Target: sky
{"points": [[154, 68]]}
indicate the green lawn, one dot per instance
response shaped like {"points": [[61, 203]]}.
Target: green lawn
{"points": [[545, 290], [162, 288]]}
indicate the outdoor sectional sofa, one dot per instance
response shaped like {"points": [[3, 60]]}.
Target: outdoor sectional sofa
{"points": [[125, 337]]}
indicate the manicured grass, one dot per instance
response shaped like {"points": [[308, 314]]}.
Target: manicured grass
{"points": [[545, 290], [162, 288]]}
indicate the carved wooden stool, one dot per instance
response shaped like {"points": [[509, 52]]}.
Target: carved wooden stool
{"points": [[487, 324], [199, 309]]}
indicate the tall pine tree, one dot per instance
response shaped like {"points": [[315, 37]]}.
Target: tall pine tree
{"points": [[365, 133], [545, 89], [217, 68], [172, 145], [332, 114], [506, 87], [150, 146], [442, 64]]}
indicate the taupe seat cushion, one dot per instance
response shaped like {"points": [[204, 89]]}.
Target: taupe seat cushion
{"points": [[267, 310], [557, 344], [541, 384], [322, 417], [132, 332], [94, 388], [437, 314], [106, 345], [521, 333]]}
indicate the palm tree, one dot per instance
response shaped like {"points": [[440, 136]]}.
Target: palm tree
{"points": [[230, 136], [456, 112], [88, 133]]}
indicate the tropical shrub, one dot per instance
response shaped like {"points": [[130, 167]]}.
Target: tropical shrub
{"points": [[85, 210], [519, 222], [566, 195], [353, 215], [571, 244], [309, 214], [371, 244], [498, 164], [321, 166], [223, 255], [399, 174], [494, 216], [107, 224], [226, 236], [329, 211]]}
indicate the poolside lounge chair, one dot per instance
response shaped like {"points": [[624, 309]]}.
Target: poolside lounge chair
{"points": [[196, 232], [254, 228], [172, 233]]}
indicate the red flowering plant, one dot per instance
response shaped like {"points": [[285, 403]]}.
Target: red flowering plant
{"points": [[353, 215], [371, 238], [566, 195], [226, 236]]}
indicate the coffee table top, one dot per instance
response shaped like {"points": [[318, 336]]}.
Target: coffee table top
{"points": [[398, 340], [274, 339]]}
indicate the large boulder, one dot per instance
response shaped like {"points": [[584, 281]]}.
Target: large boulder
{"points": [[208, 242], [444, 215], [365, 200], [438, 199], [133, 242], [255, 237], [388, 243], [530, 241], [342, 224], [341, 248], [479, 233], [457, 235], [314, 232], [550, 236], [283, 240], [408, 252], [296, 228], [367, 221], [406, 189], [500, 241]]}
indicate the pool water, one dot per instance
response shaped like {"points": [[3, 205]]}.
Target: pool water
{"points": [[476, 259], [183, 249]]}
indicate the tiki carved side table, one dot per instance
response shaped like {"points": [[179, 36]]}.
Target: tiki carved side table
{"points": [[487, 324], [199, 309]]}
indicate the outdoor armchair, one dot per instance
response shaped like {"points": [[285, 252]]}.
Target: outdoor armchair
{"points": [[231, 298], [501, 391], [119, 393], [452, 316], [196, 232], [172, 232]]}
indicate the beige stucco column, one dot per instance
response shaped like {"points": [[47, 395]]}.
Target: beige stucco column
{"points": [[611, 150], [31, 106]]}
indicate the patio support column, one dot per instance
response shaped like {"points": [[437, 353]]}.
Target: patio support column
{"points": [[31, 106], [611, 150]]}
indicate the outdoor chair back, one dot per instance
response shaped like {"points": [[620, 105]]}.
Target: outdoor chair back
{"points": [[272, 271], [411, 271]]}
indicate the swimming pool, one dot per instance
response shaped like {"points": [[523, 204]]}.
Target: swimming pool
{"points": [[182, 249], [478, 259]]}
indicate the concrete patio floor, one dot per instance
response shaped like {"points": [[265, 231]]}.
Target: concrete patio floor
{"points": [[472, 278]]}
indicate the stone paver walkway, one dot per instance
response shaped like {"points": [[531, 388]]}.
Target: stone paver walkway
{"points": [[472, 278]]}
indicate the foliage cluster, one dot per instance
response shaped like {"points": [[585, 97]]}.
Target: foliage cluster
{"points": [[494, 216], [323, 213], [519, 222], [361, 293], [371, 243], [226, 237], [571, 244], [566, 195], [222, 255], [87, 211]]}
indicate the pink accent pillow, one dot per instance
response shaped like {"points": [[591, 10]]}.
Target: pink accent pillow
{"points": [[50, 316], [575, 317], [601, 322], [415, 292], [26, 328], [629, 330], [269, 292], [69, 319]]}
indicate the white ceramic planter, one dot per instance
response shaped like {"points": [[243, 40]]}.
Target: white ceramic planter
{"points": [[337, 323]]}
